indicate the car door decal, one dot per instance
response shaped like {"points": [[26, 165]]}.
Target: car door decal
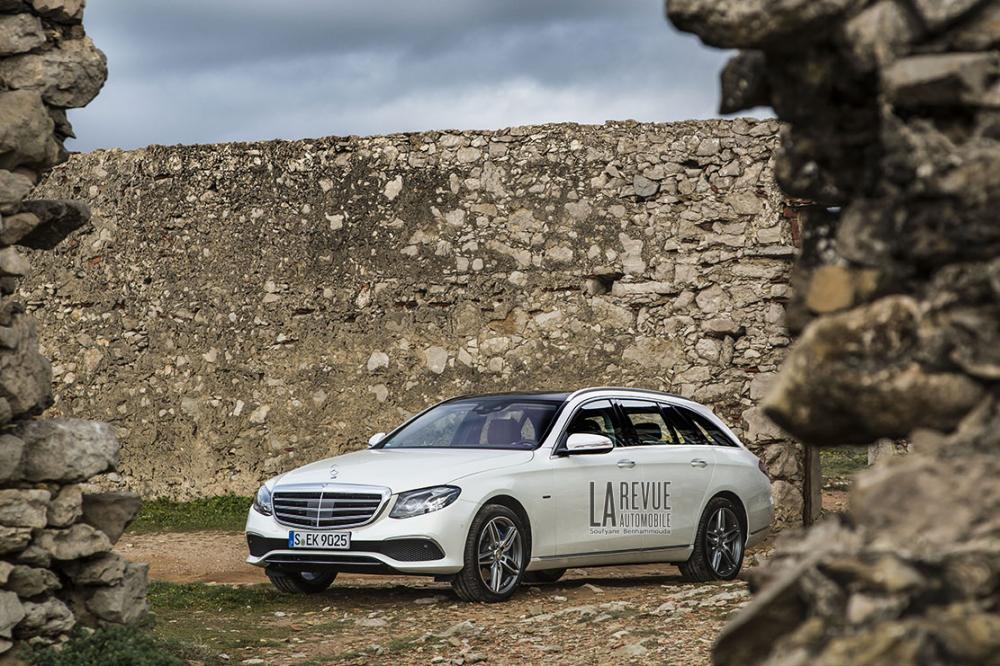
{"points": [[629, 507]]}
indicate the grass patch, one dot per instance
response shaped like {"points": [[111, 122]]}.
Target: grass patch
{"points": [[180, 597], [842, 462], [226, 512]]}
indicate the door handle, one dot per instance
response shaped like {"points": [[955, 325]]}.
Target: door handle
{"points": [[698, 462], [626, 463]]}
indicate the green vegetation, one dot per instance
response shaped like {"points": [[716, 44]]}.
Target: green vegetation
{"points": [[226, 512], [843, 461], [180, 597], [114, 646]]}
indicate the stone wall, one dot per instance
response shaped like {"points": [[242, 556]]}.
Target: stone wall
{"points": [[892, 125], [237, 310], [56, 530]]}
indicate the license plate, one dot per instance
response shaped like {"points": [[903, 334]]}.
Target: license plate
{"points": [[320, 540]]}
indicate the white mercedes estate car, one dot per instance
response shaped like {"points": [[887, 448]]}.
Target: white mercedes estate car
{"points": [[489, 491]]}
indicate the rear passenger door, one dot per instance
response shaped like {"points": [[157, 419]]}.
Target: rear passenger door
{"points": [[677, 465]]}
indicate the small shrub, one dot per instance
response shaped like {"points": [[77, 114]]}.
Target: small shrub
{"points": [[112, 646]]}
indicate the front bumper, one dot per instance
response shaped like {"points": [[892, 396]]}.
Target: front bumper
{"points": [[431, 544]]}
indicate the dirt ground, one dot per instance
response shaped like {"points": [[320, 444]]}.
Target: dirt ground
{"points": [[634, 614], [594, 616]]}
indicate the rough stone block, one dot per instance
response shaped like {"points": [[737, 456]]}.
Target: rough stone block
{"points": [[23, 508], [73, 543], [11, 448], [105, 569], [20, 33], [944, 80], [11, 612], [66, 507], [124, 603], [50, 618], [26, 131], [30, 582], [69, 76], [68, 450], [64, 11], [110, 512], [13, 539], [25, 375]]}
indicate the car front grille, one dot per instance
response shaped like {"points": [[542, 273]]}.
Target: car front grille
{"points": [[327, 509]]}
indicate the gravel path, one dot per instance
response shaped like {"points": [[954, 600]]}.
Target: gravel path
{"points": [[611, 615]]}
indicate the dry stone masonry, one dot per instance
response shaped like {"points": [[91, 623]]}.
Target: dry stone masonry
{"points": [[56, 529], [892, 124], [238, 310]]}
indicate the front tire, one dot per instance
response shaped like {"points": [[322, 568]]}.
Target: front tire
{"points": [[300, 582], [496, 552], [718, 546]]}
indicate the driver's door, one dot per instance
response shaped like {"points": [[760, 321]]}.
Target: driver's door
{"points": [[590, 488]]}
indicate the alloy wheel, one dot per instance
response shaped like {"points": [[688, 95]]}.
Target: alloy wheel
{"points": [[500, 554], [724, 542]]}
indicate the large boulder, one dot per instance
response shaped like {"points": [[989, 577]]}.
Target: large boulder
{"points": [[123, 603], [26, 132], [66, 450]]}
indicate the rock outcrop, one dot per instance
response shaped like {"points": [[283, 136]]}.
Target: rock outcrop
{"points": [[890, 111], [55, 566]]}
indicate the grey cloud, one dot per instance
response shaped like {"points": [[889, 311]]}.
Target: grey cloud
{"points": [[191, 72]]}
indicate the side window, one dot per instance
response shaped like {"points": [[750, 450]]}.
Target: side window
{"points": [[709, 430], [647, 422], [596, 417], [687, 432]]}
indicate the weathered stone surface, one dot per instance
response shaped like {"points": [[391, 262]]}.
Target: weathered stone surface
{"points": [[105, 569], [13, 188], [744, 83], [50, 618], [888, 108], [72, 543], [66, 507], [30, 582], [853, 378], [110, 512], [125, 602], [23, 508], [67, 11], [13, 539], [67, 450], [477, 283], [56, 220], [10, 457], [20, 33], [11, 612], [67, 77], [26, 131], [25, 375], [756, 23]]}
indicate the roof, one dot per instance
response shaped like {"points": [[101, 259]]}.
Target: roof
{"points": [[562, 396]]}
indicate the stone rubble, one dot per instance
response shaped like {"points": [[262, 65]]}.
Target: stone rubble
{"points": [[252, 307], [890, 111], [55, 567]]}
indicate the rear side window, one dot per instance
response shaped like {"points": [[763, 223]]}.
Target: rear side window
{"points": [[647, 422], [711, 432], [597, 417], [687, 432]]}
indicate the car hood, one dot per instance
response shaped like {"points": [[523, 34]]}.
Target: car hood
{"points": [[404, 469]]}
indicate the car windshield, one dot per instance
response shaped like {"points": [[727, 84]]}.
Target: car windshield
{"points": [[481, 423]]}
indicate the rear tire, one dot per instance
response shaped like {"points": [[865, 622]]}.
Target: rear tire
{"points": [[718, 546], [544, 576], [496, 552], [301, 582]]}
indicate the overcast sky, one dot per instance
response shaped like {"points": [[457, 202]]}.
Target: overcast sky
{"points": [[205, 71]]}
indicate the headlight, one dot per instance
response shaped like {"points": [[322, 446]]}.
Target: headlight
{"points": [[419, 502], [262, 502]]}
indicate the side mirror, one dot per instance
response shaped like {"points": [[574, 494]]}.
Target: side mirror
{"points": [[375, 439], [586, 442]]}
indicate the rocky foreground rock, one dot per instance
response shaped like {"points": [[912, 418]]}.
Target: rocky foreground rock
{"points": [[892, 125], [56, 530]]}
